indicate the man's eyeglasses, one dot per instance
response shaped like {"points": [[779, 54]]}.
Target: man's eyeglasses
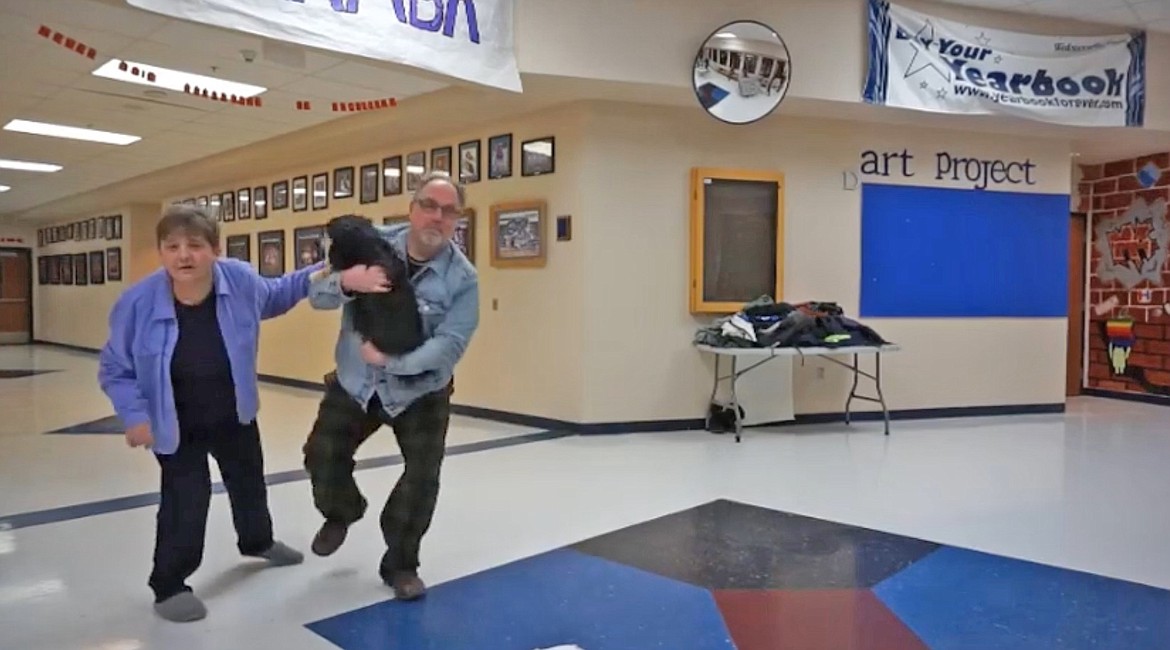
{"points": [[431, 205]]}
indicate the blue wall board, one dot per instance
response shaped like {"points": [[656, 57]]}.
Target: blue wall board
{"points": [[930, 252]]}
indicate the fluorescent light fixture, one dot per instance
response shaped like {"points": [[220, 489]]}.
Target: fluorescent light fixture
{"points": [[4, 188], [24, 166], [174, 80], [70, 132]]}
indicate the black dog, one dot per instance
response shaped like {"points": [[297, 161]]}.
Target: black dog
{"points": [[390, 320]]}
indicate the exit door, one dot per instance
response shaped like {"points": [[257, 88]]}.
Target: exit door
{"points": [[15, 295]]}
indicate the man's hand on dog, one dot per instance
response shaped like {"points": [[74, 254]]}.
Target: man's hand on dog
{"points": [[365, 279]]}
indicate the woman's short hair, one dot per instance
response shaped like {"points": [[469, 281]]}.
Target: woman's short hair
{"points": [[189, 220]]}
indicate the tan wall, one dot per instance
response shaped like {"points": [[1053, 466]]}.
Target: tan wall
{"points": [[602, 334], [17, 236], [639, 364], [517, 359], [79, 315]]}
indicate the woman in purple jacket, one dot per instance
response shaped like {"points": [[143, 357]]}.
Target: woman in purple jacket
{"points": [[180, 370]]}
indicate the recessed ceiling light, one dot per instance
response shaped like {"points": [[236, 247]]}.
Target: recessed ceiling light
{"points": [[23, 166], [173, 79], [70, 132], [4, 188]]}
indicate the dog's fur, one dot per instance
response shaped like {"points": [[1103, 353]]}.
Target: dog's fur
{"points": [[390, 320]]}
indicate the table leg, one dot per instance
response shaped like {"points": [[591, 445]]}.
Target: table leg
{"points": [[852, 389], [858, 373], [735, 400], [877, 360]]}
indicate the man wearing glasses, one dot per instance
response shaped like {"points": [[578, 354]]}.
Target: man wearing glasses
{"points": [[370, 390]]}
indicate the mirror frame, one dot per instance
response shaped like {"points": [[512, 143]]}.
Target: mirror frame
{"points": [[699, 52]]}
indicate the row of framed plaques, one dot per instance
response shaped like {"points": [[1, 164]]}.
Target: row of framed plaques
{"points": [[80, 269], [108, 228], [537, 158]]}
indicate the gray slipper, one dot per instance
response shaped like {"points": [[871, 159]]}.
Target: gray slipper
{"points": [[280, 554], [181, 608]]}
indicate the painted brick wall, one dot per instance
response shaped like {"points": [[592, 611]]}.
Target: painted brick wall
{"points": [[1130, 291]]}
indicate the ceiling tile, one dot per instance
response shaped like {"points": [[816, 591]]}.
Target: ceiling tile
{"points": [[73, 17]]}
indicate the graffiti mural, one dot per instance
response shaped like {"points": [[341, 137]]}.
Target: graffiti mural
{"points": [[1129, 274], [1133, 246]]}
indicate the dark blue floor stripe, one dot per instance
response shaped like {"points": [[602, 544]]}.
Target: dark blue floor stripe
{"points": [[95, 508], [108, 424]]}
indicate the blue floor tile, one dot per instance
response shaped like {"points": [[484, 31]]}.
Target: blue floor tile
{"points": [[956, 598], [20, 373], [560, 597]]}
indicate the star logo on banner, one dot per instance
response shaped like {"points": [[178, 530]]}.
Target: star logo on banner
{"points": [[983, 39], [920, 43], [924, 85], [942, 93], [998, 59]]}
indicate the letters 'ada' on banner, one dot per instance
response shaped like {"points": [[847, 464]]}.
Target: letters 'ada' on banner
{"points": [[467, 39], [922, 62]]}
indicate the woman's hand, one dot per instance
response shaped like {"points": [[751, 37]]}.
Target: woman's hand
{"points": [[365, 279], [139, 435]]}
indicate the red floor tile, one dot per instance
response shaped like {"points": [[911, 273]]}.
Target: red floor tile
{"points": [[813, 620]]}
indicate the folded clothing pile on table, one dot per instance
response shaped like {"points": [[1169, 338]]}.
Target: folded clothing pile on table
{"points": [[763, 323]]}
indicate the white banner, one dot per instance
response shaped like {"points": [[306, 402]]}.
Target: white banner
{"points": [[467, 39], [926, 63]]}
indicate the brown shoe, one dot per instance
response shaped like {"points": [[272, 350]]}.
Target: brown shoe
{"points": [[329, 538], [407, 585]]}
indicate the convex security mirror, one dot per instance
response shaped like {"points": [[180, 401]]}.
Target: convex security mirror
{"points": [[742, 72]]}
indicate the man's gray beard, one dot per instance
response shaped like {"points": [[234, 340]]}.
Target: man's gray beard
{"points": [[430, 238]]}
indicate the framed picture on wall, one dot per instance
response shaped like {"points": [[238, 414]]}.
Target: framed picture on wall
{"points": [[270, 245], [65, 262], [441, 159], [300, 194], [42, 270], [538, 157], [97, 267], [260, 201], [469, 162], [369, 184], [416, 166], [395, 219], [518, 234], [80, 269], [239, 247], [280, 195], [343, 182], [244, 203], [114, 264], [308, 246], [500, 156], [320, 191], [464, 236], [392, 176], [227, 206]]}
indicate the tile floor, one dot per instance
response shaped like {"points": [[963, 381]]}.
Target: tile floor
{"points": [[1044, 531]]}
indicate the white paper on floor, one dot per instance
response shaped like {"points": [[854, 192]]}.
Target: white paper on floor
{"points": [[563, 647]]}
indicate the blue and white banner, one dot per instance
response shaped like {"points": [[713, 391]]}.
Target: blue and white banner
{"points": [[922, 62], [466, 39]]}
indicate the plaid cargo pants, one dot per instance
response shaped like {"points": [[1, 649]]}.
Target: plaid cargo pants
{"points": [[342, 425]]}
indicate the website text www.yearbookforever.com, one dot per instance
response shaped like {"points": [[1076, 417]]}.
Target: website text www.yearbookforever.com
{"points": [[1056, 102]]}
